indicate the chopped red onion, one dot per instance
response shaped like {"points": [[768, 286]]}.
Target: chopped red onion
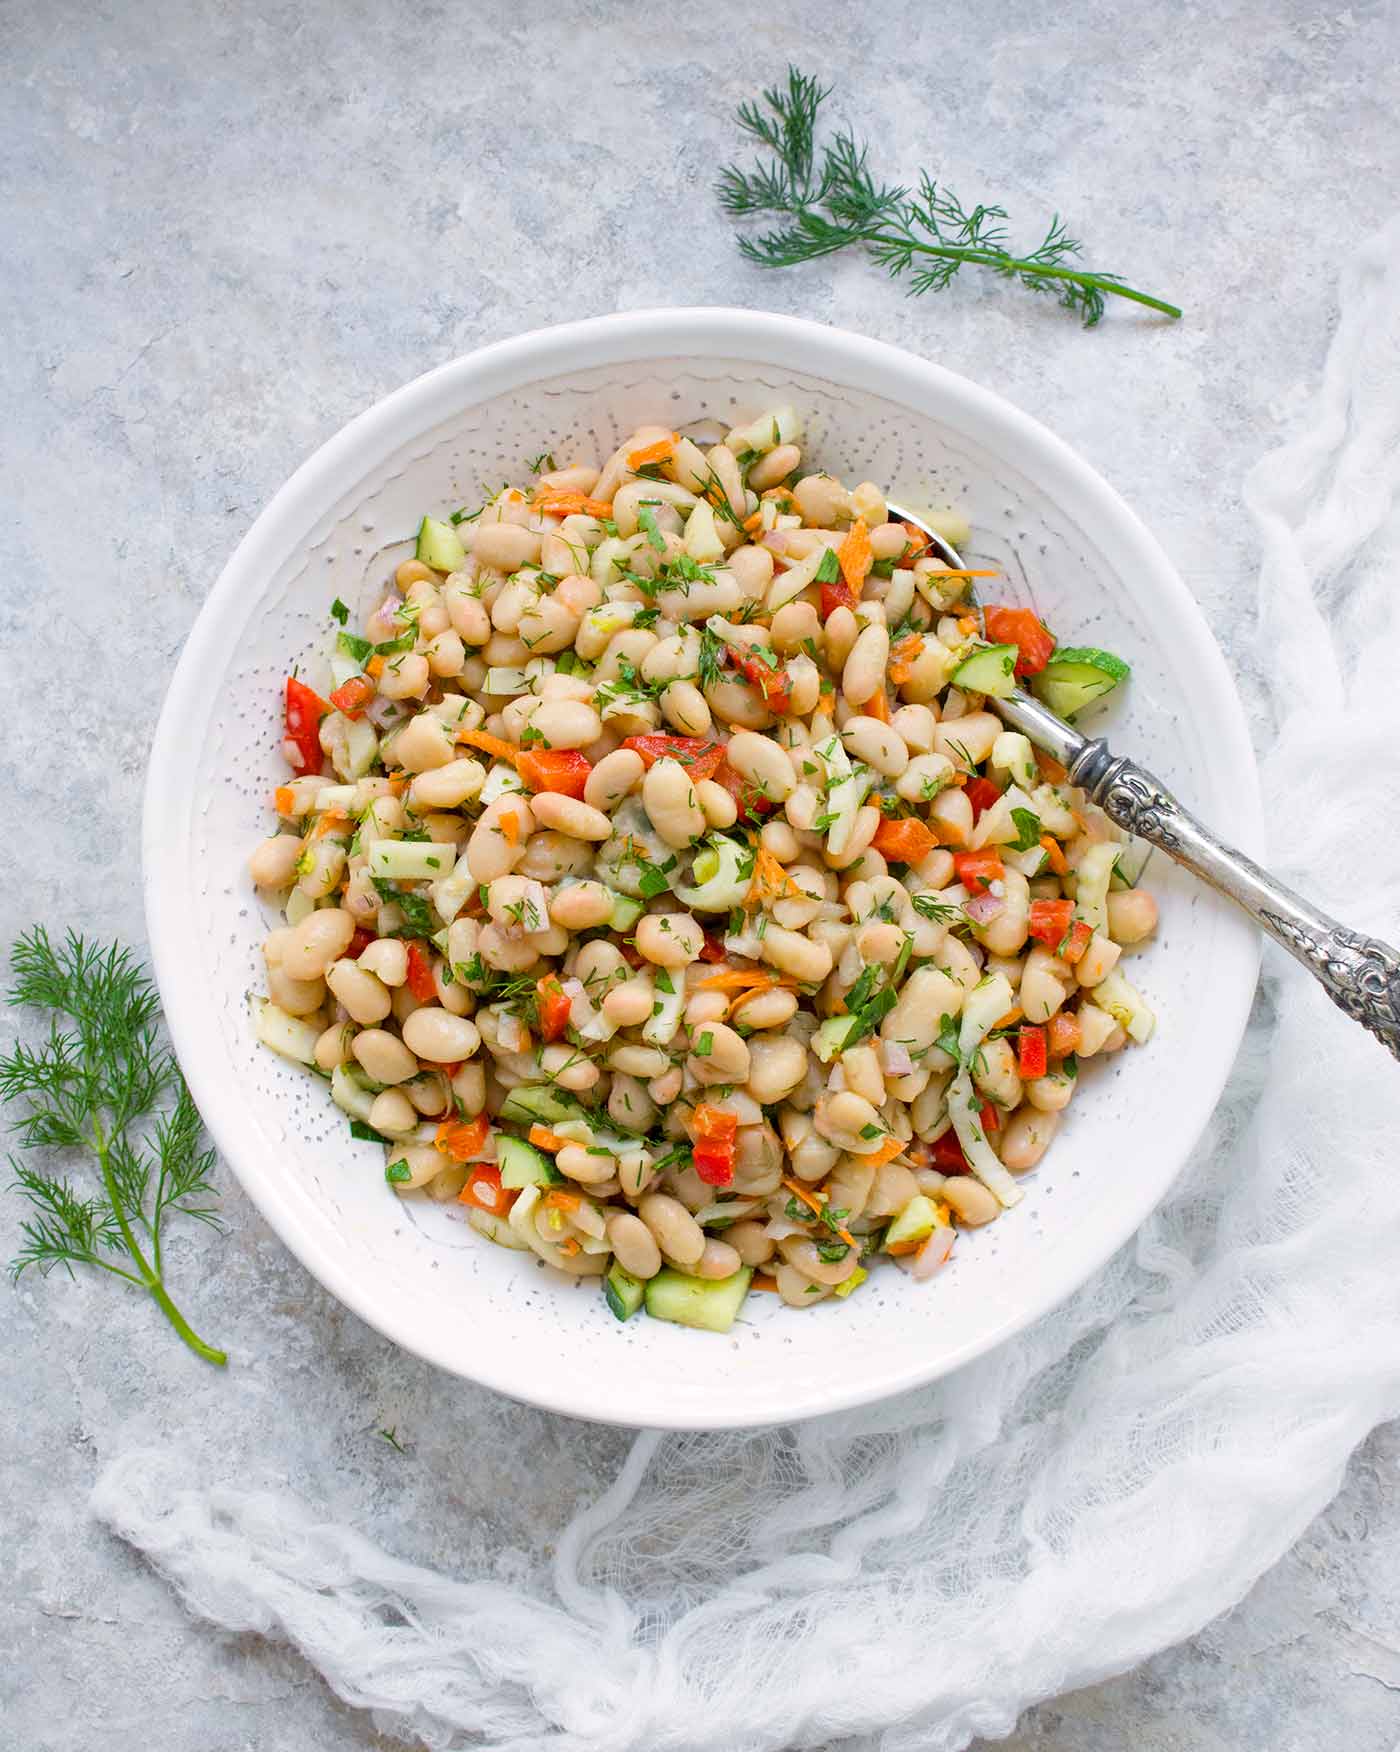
{"points": [[983, 908], [776, 539], [895, 1058]]}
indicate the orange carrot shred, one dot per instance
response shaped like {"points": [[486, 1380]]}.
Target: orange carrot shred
{"points": [[1010, 1019], [284, 800], [569, 1246], [661, 451], [814, 1204], [761, 1281], [374, 668], [545, 1139], [755, 523], [567, 504], [878, 707], [1054, 854], [489, 744], [562, 1201], [510, 827], [887, 1152], [737, 979], [855, 555], [1050, 768]]}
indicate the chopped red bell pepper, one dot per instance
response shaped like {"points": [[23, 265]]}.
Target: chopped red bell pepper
{"points": [[748, 799], [991, 1119], [1032, 1052], [485, 1192], [359, 943], [302, 734], [712, 949], [1019, 627], [461, 1139], [1049, 921], [699, 755], [420, 975], [948, 1155], [713, 1133], [978, 870], [554, 1006], [837, 595], [904, 840], [1075, 942], [771, 680], [563, 770], [352, 696], [981, 794]]}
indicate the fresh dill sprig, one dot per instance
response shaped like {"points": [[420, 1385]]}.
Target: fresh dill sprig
{"points": [[829, 201], [104, 1083]]}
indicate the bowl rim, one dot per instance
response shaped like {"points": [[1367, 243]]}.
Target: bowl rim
{"points": [[630, 337]]}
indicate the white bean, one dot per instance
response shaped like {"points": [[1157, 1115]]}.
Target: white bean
{"points": [[440, 1037], [668, 796]]}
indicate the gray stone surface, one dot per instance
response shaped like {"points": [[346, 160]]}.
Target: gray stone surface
{"points": [[227, 229]]}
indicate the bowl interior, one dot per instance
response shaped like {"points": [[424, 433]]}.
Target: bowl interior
{"points": [[415, 1270]]}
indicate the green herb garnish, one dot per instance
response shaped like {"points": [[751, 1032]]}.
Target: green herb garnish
{"points": [[827, 200], [103, 1083]]}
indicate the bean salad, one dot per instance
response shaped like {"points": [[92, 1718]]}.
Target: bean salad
{"points": [[655, 882]]}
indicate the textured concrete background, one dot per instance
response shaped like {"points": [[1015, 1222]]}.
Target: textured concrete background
{"points": [[229, 228]]}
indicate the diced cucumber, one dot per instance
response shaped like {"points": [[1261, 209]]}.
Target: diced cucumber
{"points": [[440, 546], [1092, 879], [991, 669], [287, 1035], [343, 668], [1127, 1006], [522, 1164], [1132, 861], [1072, 679], [707, 1303], [721, 874], [918, 1219], [622, 1292], [299, 906], [538, 1102], [660, 1027], [353, 649], [349, 1096], [625, 913], [831, 1038], [701, 537], [496, 1229], [853, 1282], [411, 860], [1012, 755], [500, 779], [334, 797], [451, 893]]}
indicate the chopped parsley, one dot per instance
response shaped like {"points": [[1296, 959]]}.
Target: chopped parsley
{"points": [[339, 612], [828, 568], [646, 517], [1027, 829]]}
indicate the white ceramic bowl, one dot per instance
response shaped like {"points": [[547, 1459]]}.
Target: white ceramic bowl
{"points": [[1066, 543]]}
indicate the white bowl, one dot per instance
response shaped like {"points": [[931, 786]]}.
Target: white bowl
{"points": [[1066, 543]]}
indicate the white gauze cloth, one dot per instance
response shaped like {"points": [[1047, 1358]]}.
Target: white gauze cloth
{"points": [[916, 1573]]}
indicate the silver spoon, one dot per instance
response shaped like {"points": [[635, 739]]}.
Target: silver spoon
{"points": [[1358, 973]]}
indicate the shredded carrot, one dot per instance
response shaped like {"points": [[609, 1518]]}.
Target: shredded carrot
{"points": [[903, 657], [1050, 768], [1054, 853], [878, 707], [374, 668], [544, 1139], [399, 783], [566, 504], [562, 1201], [855, 556], [510, 826], [333, 821], [284, 800], [771, 881], [755, 523], [887, 1152], [967, 623], [919, 539], [738, 979], [962, 572], [901, 1248], [489, 744], [661, 451], [761, 1281], [737, 1004], [1010, 1019], [569, 1246], [814, 1204], [1079, 821]]}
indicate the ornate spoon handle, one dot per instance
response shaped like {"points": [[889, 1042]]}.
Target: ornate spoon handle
{"points": [[1359, 974]]}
